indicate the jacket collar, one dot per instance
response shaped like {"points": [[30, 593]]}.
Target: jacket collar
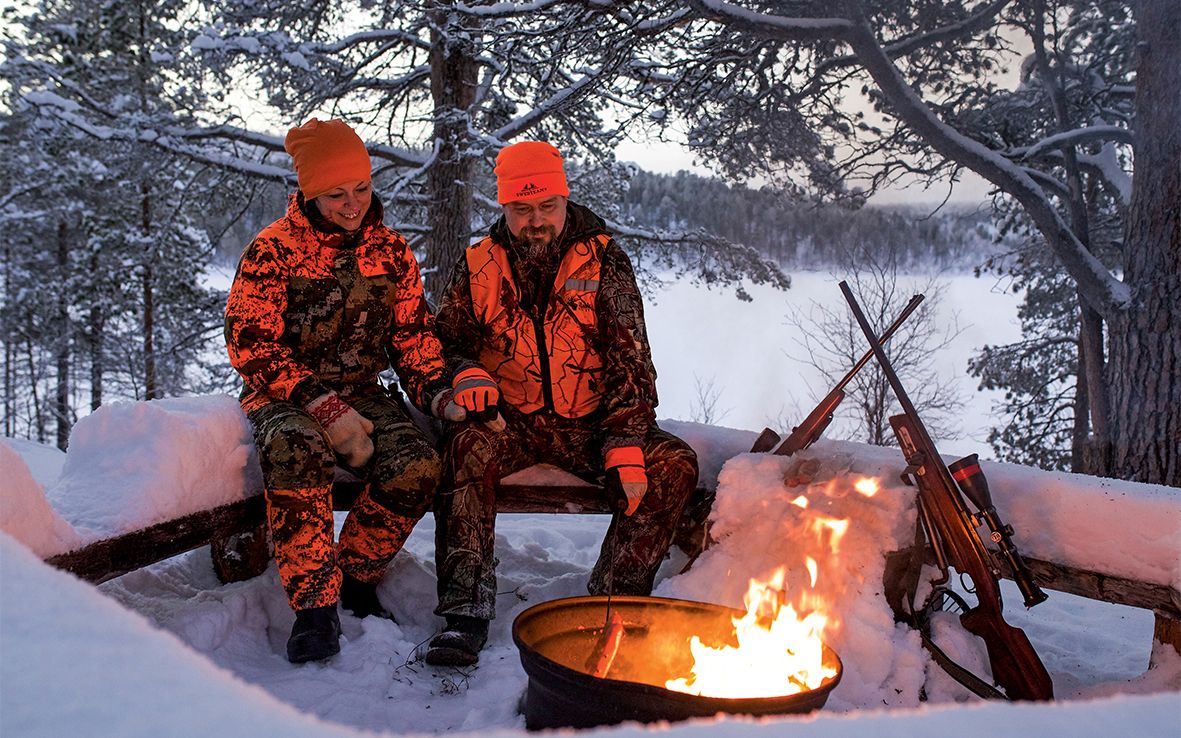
{"points": [[315, 228]]}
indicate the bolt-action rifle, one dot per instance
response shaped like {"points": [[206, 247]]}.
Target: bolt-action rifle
{"points": [[952, 533], [808, 432]]}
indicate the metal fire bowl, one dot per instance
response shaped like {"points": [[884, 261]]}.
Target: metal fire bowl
{"points": [[556, 638]]}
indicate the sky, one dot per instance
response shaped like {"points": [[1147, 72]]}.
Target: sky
{"points": [[169, 650]]}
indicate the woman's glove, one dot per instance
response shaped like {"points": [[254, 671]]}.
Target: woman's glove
{"points": [[348, 431], [627, 478]]}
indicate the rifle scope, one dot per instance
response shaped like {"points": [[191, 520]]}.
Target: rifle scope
{"points": [[970, 478]]}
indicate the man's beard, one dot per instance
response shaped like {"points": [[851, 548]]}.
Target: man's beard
{"points": [[537, 242]]}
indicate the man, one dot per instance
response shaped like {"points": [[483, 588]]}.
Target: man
{"points": [[547, 304], [325, 299]]}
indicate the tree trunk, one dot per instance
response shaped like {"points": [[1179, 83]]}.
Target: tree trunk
{"points": [[1081, 431], [1145, 360], [97, 365], [149, 308], [61, 406], [9, 353], [453, 89], [1097, 450], [1095, 453]]}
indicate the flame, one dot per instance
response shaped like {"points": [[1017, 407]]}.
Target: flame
{"points": [[867, 486], [778, 652], [780, 647], [834, 526]]}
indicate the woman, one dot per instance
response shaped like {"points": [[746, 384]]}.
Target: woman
{"points": [[326, 298]]}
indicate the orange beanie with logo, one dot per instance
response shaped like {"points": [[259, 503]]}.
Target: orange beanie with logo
{"points": [[327, 154], [529, 169]]}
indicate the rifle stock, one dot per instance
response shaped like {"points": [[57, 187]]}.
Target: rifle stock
{"points": [[1015, 664]]}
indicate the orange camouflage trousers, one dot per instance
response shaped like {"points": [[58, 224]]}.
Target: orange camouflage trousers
{"points": [[298, 469], [476, 459]]}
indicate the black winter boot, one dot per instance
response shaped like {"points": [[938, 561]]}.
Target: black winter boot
{"points": [[315, 635], [360, 598], [460, 642]]}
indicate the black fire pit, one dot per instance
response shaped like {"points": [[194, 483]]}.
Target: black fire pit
{"points": [[557, 638]]}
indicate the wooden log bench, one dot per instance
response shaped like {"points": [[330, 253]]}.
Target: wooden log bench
{"points": [[237, 532], [1162, 600]]}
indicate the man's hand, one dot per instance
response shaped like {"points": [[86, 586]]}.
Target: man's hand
{"points": [[475, 390], [444, 407], [626, 474], [348, 431]]}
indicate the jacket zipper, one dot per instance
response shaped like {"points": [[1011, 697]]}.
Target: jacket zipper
{"points": [[547, 390]]}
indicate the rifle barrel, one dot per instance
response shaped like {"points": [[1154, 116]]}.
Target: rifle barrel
{"points": [[906, 311]]}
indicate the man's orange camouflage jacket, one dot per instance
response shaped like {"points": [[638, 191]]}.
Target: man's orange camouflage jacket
{"points": [[312, 310], [621, 378]]}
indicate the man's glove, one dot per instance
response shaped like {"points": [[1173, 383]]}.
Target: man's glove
{"points": [[626, 475], [475, 390], [348, 431], [473, 396]]}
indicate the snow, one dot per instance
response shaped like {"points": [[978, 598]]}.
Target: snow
{"points": [[174, 457], [170, 650], [211, 655]]}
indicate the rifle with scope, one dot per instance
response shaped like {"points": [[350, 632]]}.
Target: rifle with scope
{"points": [[951, 530]]}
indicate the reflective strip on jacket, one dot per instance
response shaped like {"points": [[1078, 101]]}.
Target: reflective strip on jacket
{"points": [[572, 366]]}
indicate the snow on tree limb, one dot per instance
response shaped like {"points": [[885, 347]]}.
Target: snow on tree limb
{"points": [[1088, 134], [560, 99], [1103, 290], [1100, 288], [781, 27]]}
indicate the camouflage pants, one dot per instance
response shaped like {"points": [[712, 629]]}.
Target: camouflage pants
{"points": [[465, 510], [298, 468]]}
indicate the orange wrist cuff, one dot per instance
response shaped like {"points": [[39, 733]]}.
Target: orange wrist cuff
{"points": [[624, 456], [473, 372]]}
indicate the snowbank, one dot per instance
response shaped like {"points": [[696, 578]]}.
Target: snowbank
{"points": [[24, 511], [77, 663], [135, 464]]}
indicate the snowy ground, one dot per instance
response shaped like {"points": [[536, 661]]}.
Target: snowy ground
{"points": [[169, 651]]}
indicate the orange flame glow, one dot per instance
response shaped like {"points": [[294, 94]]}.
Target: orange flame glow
{"points": [[811, 564], [778, 653], [835, 527], [867, 486]]}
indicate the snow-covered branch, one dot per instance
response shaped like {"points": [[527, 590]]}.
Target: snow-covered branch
{"points": [[560, 99], [1103, 291], [774, 26], [1078, 136]]}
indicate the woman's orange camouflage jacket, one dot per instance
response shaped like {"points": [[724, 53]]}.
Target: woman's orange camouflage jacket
{"points": [[310, 310]]}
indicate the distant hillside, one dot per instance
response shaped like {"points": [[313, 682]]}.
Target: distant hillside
{"points": [[806, 236], [794, 235]]}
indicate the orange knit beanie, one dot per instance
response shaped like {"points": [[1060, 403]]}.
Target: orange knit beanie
{"points": [[527, 170], [327, 154]]}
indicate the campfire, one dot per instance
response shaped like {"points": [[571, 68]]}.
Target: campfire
{"points": [[650, 658], [778, 653]]}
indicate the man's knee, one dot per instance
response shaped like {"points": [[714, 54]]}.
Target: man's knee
{"points": [[673, 462]]}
